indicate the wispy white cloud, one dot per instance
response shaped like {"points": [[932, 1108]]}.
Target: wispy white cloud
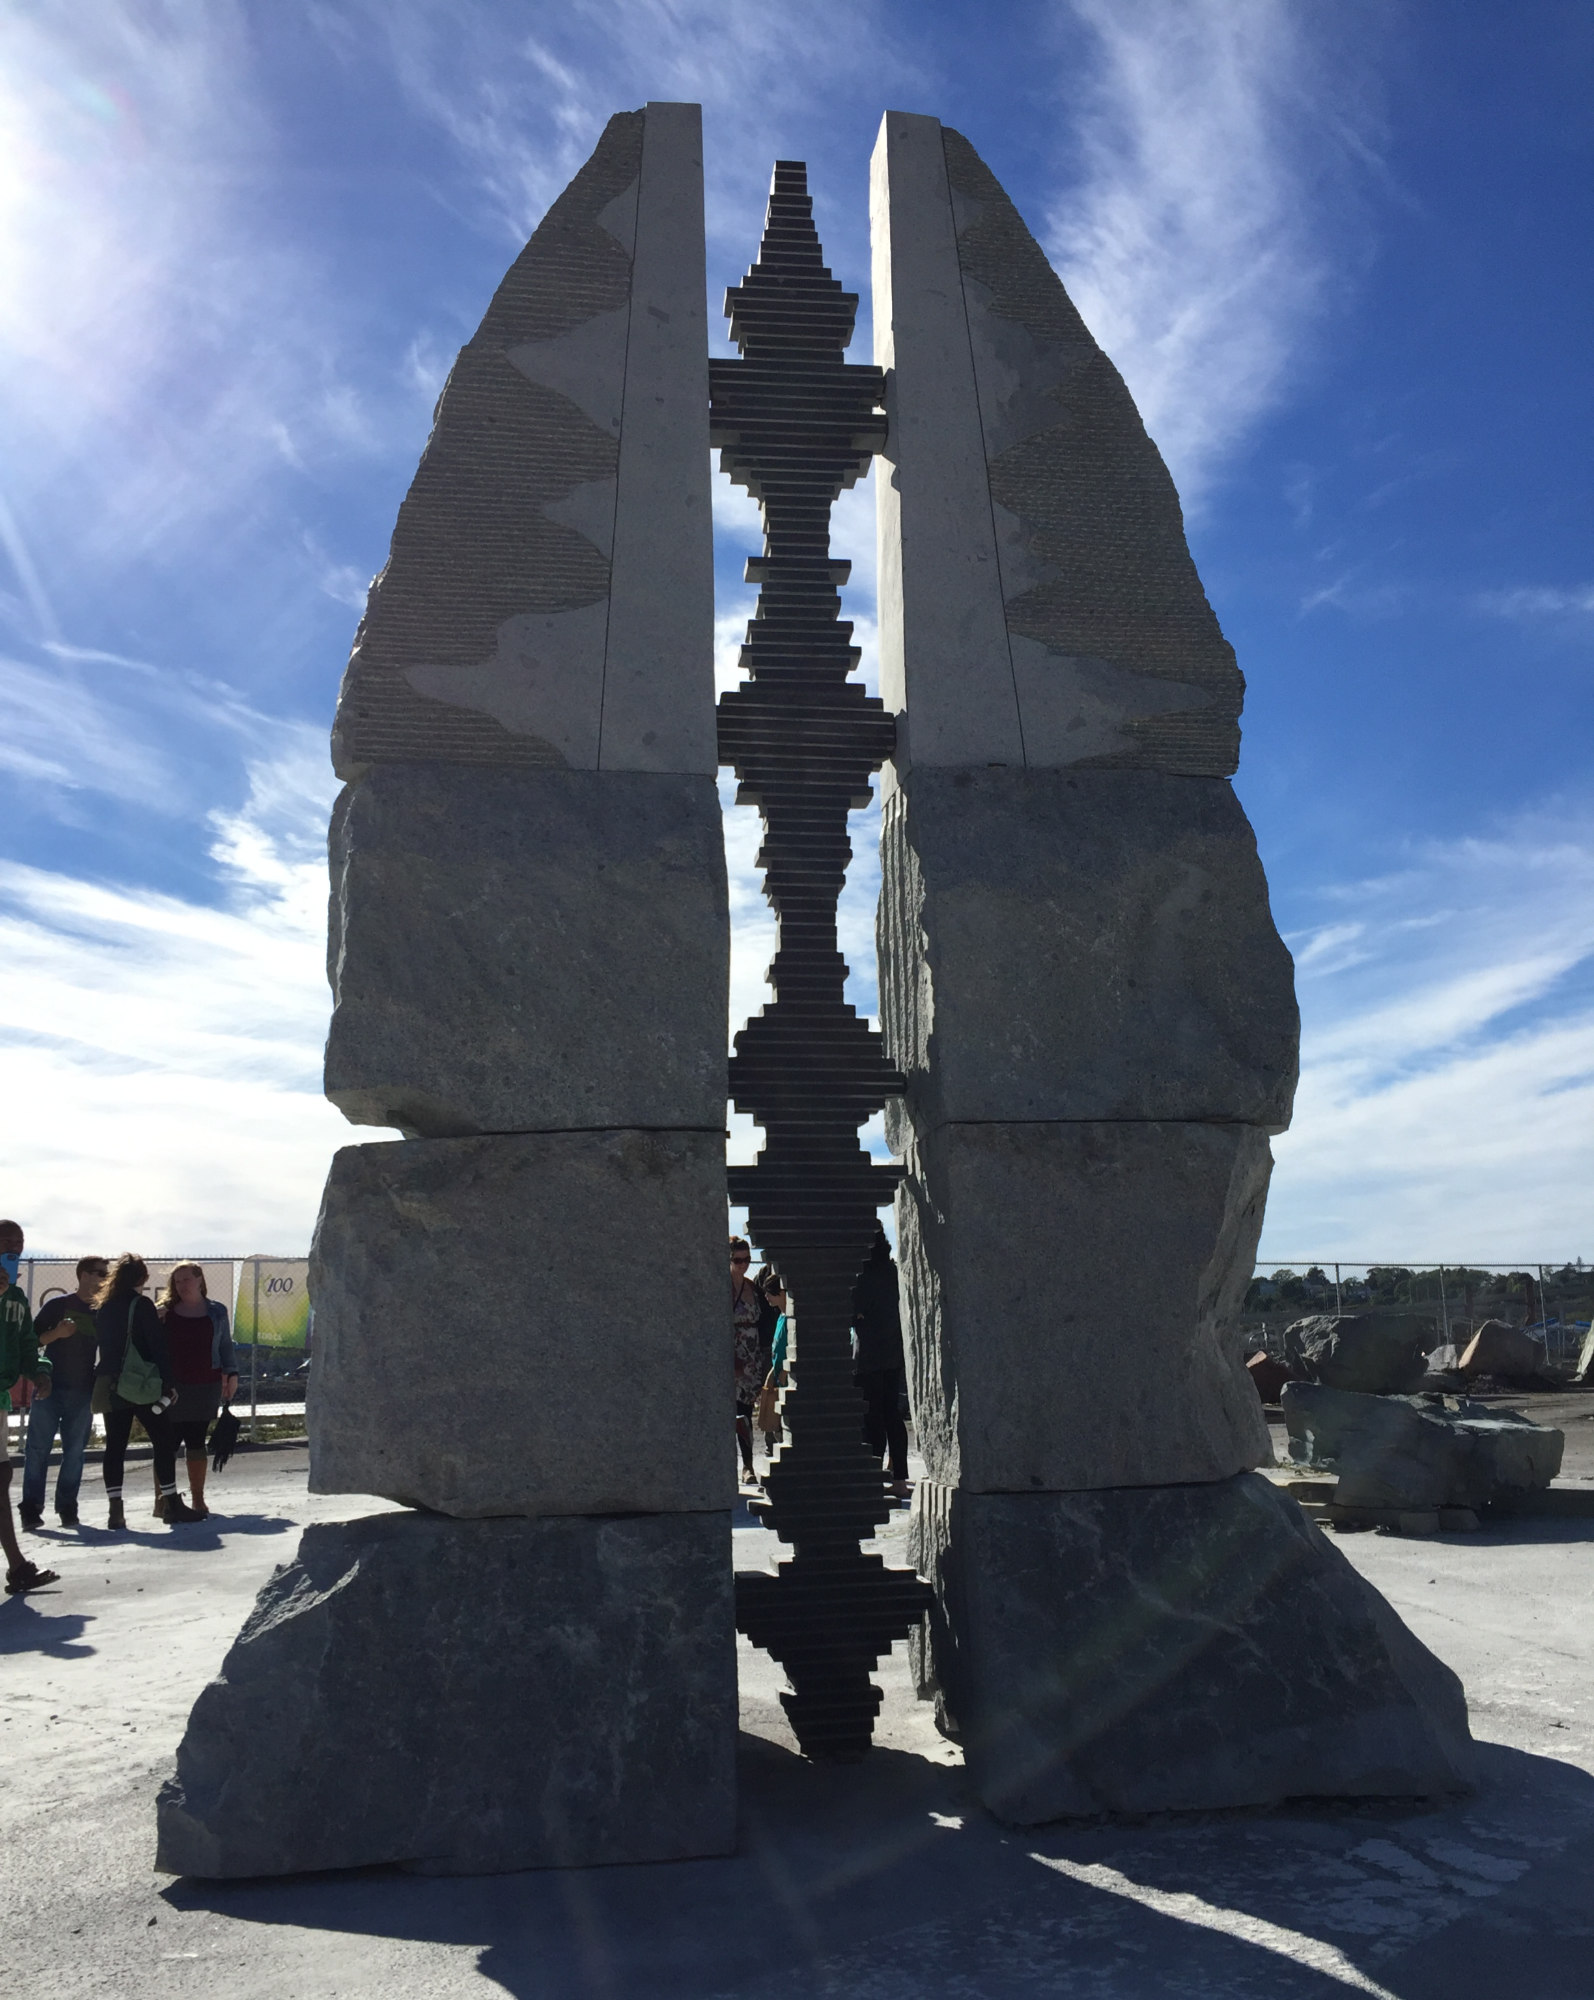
{"points": [[161, 1053], [1537, 601], [1197, 240], [1446, 1106]]}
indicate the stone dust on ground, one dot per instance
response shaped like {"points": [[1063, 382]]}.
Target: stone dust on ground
{"points": [[881, 1880]]}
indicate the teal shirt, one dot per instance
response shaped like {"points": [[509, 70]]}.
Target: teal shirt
{"points": [[777, 1351]]}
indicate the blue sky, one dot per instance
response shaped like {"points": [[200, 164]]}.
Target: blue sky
{"points": [[1340, 254]]}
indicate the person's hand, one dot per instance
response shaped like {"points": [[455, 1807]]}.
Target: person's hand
{"points": [[42, 1384], [229, 1387]]}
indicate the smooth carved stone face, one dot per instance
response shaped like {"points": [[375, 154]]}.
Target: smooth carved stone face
{"points": [[468, 1697], [529, 1325], [527, 951], [548, 599], [486, 559], [1069, 1295], [1080, 945], [1186, 1648]]}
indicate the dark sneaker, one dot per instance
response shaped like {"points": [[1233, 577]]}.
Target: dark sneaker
{"points": [[67, 1516], [31, 1517]]}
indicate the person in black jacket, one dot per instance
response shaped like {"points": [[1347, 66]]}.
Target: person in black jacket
{"points": [[878, 1364], [122, 1313]]}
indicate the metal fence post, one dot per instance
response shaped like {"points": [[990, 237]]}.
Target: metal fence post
{"points": [[1444, 1307], [254, 1358], [1339, 1301]]}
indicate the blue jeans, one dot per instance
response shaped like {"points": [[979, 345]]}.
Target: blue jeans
{"points": [[66, 1410]]}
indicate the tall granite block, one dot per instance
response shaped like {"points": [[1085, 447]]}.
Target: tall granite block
{"points": [[1080, 945], [1038, 603], [1084, 989], [466, 1697], [1172, 1648], [529, 952], [1070, 1291], [515, 950], [484, 1306]]}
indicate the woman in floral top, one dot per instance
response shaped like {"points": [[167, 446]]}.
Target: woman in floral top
{"points": [[747, 1350]]}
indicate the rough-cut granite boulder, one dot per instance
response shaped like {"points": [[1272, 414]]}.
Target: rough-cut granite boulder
{"points": [[1499, 1349], [1070, 1292], [1379, 1353], [520, 951], [1415, 1453], [469, 1697], [484, 1306], [1080, 945], [1180, 1647]]}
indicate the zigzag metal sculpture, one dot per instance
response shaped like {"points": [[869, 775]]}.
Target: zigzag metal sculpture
{"points": [[795, 425]]}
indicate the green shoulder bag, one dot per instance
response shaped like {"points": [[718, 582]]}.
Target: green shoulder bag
{"points": [[140, 1380]]}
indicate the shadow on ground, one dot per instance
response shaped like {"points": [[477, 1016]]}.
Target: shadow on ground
{"points": [[883, 1880], [28, 1626]]}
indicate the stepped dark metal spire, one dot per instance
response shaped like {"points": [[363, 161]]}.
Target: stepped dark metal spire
{"points": [[796, 425]]}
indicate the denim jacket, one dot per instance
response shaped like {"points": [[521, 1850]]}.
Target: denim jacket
{"points": [[221, 1350]]}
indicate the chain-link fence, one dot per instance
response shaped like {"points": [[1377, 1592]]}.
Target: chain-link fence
{"points": [[1552, 1303]]}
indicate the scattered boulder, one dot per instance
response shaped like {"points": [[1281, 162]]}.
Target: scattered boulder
{"points": [[1418, 1453], [1268, 1375], [1498, 1349], [1377, 1353]]}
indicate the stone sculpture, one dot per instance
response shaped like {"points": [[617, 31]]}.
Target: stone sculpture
{"points": [[1089, 1034], [1095, 1019], [529, 962], [795, 425]]}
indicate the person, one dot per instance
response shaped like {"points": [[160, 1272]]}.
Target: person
{"points": [[65, 1325], [746, 1351], [774, 1289], [199, 1340], [19, 1359], [123, 1314], [878, 1364]]}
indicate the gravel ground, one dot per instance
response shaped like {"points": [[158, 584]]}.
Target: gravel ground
{"points": [[880, 1881]]}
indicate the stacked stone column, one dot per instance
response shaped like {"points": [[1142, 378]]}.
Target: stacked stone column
{"points": [[520, 1304], [1082, 983]]}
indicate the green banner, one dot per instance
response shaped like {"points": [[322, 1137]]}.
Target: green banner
{"points": [[273, 1307]]}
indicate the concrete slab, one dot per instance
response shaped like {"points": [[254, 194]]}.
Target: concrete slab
{"points": [[883, 1880]]}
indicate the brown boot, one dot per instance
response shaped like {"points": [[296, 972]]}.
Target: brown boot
{"points": [[117, 1517], [176, 1511]]}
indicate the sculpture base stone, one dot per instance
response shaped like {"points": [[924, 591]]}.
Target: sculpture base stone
{"points": [[1170, 1649], [470, 1697]]}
